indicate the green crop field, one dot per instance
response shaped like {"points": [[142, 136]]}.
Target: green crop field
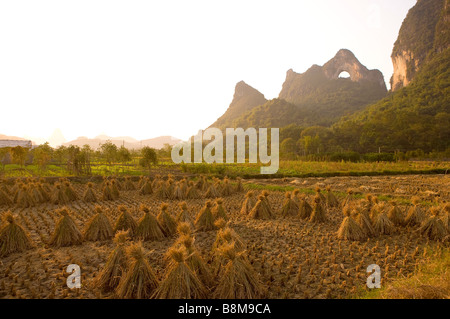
{"points": [[287, 169]]}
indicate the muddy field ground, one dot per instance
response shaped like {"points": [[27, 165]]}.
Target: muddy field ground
{"points": [[293, 257]]}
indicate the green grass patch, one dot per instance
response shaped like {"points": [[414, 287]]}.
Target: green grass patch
{"points": [[14, 170], [431, 280]]}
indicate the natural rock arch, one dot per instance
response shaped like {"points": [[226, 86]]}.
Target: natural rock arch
{"points": [[344, 75], [297, 85], [345, 61]]}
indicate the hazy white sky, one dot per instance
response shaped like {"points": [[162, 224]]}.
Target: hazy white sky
{"points": [[151, 68]]}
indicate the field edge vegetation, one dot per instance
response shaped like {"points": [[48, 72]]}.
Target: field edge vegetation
{"points": [[431, 280]]}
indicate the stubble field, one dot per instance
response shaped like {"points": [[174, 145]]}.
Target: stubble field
{"points": [[286, 255]]}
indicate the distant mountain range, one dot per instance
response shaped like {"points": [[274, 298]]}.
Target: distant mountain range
{"points": [[6, 137], [94, 143], [127, 141]]}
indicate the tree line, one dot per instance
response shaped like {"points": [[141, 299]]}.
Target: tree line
{"points": [[80, 160]]}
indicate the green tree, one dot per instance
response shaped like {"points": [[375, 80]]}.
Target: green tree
{"points": [[123, 155], [166, 151], [42, 155], [73, 159], [60, 154], [109, 152], [313, 131], [85, 156], [310, 144], [149, 157], [5, 156], [292, 131], [19, 155], [288, 148]]}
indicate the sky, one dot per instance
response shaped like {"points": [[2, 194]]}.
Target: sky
{"points": [[153, 68]]}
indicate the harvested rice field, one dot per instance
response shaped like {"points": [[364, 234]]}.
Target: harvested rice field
{"points": [[176, 237]]}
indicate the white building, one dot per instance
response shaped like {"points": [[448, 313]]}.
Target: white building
{"points": [[14, 143]]}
